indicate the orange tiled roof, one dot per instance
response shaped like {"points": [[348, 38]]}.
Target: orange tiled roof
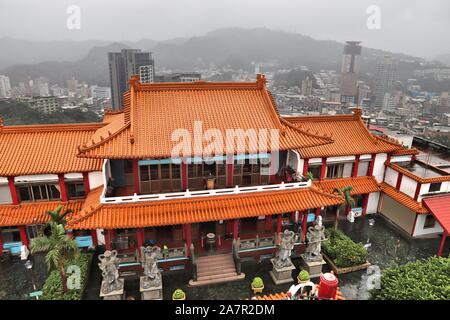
{"points": [[194, 210], [411, 175], [33, 212], [273, 296], [405, 152], [153, 112], [349, 133], [50, 149], [360, 185], [403, 198]]}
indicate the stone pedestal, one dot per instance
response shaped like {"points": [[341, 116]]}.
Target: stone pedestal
{"points": [[113, 295], [281, 275], [151, 293], [314, 268]]}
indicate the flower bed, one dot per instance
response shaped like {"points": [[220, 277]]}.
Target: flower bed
{"points": [[342, 253], [53, 289], [421, 280]]}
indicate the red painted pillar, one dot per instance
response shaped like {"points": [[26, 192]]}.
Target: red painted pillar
{"points": [[399, 181], [136, 176], [417, 193], [188, 237], [305, 166], [23, 235], [347, 209], [184, 175], [87, 186], [230, 169], [323, 168], [318, 211], [94, 238], [13, 190], [140, 238], [293, 217], [70, 234], [1, 243], [355, 167], [389, 156], [279, 223], [441, 247], [62, 187], [304, 225], [371, 165], [235, 228], [107, 234], [269, 223], [365, 202]]}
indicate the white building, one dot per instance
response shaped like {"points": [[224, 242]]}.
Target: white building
{"points": [[5, 87]]}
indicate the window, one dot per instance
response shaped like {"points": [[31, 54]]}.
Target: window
{"points": [[29, 192], [315, 170], [75, 190], [128, 166], [335, 171], [430, 222], [435, 187]]}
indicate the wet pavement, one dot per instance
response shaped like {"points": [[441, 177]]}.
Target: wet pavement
{"points": [[388, 248]]}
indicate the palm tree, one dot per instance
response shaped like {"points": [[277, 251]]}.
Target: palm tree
{"points": [[57, 217], [59, 248], [346, 194]]}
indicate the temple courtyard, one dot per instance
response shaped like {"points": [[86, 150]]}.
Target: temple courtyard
{"points": [[387, 248]]}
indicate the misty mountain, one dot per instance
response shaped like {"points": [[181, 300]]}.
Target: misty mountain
{"points": [[444, 58], [235, 47], [93, 68]]}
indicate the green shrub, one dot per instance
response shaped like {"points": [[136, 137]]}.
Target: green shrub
{"points": [[178, 294], [421, 280], [303, 275], [53, 289], [342, 249], [257, 282]]}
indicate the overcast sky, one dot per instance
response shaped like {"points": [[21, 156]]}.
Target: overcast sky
{"points": [[417, 27]]}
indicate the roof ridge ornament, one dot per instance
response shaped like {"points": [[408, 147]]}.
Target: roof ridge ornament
{"points": [[261, 81]]}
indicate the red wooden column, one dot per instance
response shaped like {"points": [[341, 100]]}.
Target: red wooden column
{"points": [[347, 209], [417, 193], [188, 237], [23, 235], [304, 225], [235, 228], [399, 181], [323, 168], [1, 243], [136, 176], [62, 187], [140, 239], [318, 211], [94, 238], [279, 223], [441, 247], [356, 166], [371, 165], [13, 190], [184, 175], [305, 166], [365, 202], [107, 234], [70, 234], [87, 186], [229, 172]]}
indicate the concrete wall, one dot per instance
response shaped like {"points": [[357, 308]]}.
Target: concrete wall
{"points": [[378, 169], [397, 213], [419, 230], [391, 177], [408, 186], [372, 204], [5, 194], [95, 179]]}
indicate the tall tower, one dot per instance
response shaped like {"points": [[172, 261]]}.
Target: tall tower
{"points": [[349, 71], [385, 77], [124, 64]]}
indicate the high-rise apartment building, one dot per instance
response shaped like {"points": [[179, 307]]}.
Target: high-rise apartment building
{"points": [[349, 71], [124, 64], [5, 87], [385, 77]]}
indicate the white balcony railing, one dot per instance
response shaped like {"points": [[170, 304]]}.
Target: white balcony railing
{"points": [[203, 193]]}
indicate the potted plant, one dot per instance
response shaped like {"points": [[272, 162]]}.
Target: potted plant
{"points": [[257, 285], [303, 276], [178, 295]]}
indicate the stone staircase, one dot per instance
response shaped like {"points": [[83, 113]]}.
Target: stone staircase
{"points": [[215, 269]]}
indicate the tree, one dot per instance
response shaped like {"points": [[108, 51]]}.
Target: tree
{"points": [[57, 217], [59, 248], [346, 194]]}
